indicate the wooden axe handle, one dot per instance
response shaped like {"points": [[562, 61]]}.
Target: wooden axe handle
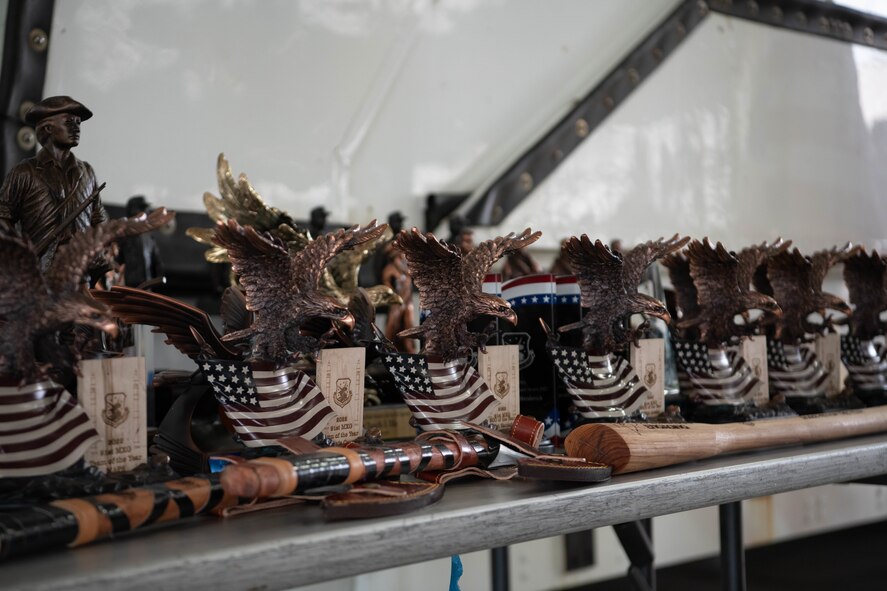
{"points": [[630, 447]]}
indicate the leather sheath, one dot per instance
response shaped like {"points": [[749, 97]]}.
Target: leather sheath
{"points": [[378, 499], [566, 470]]}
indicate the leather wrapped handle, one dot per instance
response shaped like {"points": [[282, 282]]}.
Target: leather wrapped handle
{"points": [[286, 475]]}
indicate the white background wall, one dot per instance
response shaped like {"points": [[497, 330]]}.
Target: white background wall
{"points": [[744, 134], [363, 106]]}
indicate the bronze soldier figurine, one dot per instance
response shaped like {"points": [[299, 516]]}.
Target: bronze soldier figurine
{"points": [[51, 197]]}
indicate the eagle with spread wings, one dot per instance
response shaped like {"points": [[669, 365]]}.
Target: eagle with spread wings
{"points": [[722, 280], [866, 277], [795, 282], [608, 284], [241, 202], [282, 287], [35, 306], [450, 285]]}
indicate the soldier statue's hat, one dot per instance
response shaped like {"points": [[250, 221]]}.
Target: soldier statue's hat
{"points": [[55, 105]]}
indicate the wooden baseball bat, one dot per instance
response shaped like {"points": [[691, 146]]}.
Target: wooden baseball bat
{"points": [[630, 447]]}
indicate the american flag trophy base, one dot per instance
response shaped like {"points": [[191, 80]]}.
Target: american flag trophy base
{"points": [[266, 402], [440, 394], [866, 363], [603, 388], [721, 385], [43, 430], [797, 374]]}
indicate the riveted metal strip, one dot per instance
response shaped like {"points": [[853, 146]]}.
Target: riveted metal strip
{"points": [[539, 161], [25, 48], [812, 17], [544, 157]]}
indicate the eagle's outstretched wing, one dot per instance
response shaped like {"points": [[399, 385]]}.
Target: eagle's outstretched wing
{"points": [[636, 260], [260, 260], [177, 320], [789, 274], [206, 236], [233, 309], [752, 257], [823, 260], [345, 266], [309, 263], [598, 270], [19, 275], [72, 258], [865, 275], [435, 267], [479, 259], [713, 269], [241, 202]]}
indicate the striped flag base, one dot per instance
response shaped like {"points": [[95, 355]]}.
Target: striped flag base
{"points": [[866, 363], [267, 402], [440, 395], [601, 387], [721, 385], [42, 429], [714, 376], [795, 371]]}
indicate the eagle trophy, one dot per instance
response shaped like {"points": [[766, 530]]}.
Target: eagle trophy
{"points": [[608, 284], [723, 280], [440, 387], [450, 284], [795, 282], [866, 360], [35, 308], [282, 287], [601, 382], [712, 373], [239, 201]]}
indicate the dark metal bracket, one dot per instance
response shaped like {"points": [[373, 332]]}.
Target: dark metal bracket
{"points": [[539, 161], [636, 538], [25, 48]]}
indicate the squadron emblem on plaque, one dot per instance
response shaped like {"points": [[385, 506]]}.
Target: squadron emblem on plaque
{"points": [[116, 411], [343, 392]]}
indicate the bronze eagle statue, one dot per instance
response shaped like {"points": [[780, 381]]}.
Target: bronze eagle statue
{"points": [[36, 307], [450, 284], [795, 282], [282, 287], [608, 285], [722, 281], [866, 277], [241, 202]]}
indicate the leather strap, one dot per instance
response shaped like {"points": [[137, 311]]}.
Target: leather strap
{"points": [[527, 430], [504, 473], [562, 469], [378, 499], [465, 456]]}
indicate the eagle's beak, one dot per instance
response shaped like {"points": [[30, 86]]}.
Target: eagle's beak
{"points": [[347, 320], [832, 302], [664, 315], [110, 327], [511, 317]]}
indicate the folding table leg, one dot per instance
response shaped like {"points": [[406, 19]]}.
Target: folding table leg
{"points": [[732, 551], [637, 541]]}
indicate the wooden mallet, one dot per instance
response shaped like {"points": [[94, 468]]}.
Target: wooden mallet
{"points": [[630, 447]]}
